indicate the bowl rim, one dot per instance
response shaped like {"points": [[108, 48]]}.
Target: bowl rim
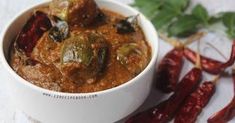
{"points": [[6, 65]]}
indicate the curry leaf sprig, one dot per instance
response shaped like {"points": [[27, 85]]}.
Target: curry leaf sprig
{"points": [[229, 22], [166, 10], [189, 23], [170, 16]]}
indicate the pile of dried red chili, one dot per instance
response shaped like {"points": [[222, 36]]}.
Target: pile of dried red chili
{"points": [[188, 98]]}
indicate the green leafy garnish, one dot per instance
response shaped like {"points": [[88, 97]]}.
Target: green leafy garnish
{"points": [[229, 22], [184, 26], [201, 14], [163, 18], [177, 6], [147, 7], [214, 20], [162, 12], [174, 18]]}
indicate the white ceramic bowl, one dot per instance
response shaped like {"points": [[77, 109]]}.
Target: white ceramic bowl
{"points": [[99, 107]]}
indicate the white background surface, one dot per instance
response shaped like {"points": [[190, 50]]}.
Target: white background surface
{"points": [[224, 93]]}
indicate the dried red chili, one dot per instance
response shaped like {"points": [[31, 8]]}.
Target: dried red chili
{"points": [[228, 112], [169, 69], [194, 104], [164, 112], [210, 65], [32, 31]]}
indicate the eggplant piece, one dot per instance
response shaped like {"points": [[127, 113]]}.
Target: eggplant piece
{"points": [[60, 8], [125, 50], [59, 31], [76, 59], [32, 31], [102, 58], [83, 12], [84, 57], [101, 50], [133, 57], [76, 12], [127, 25], [77, 49]]}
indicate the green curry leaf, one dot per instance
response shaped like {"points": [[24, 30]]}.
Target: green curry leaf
{"points": [[173, 12], [177, 6], [163, 18], [150, 8], [201, 13], [229, 22], [214, 20], [183, 26]]}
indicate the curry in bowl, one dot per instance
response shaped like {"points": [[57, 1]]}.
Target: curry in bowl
{"points": [[74, 46]]}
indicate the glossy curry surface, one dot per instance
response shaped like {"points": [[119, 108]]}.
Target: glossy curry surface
{"points": [[79, 49]]}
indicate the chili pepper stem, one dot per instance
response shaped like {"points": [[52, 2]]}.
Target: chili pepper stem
{"points": [[174, 42], [216, 79], [217, 50], [133, 19], [198, 61], [233, 69], [195, 37]]}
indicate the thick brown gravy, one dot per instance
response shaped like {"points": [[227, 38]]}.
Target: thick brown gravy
{"points": [[128, 54]]}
